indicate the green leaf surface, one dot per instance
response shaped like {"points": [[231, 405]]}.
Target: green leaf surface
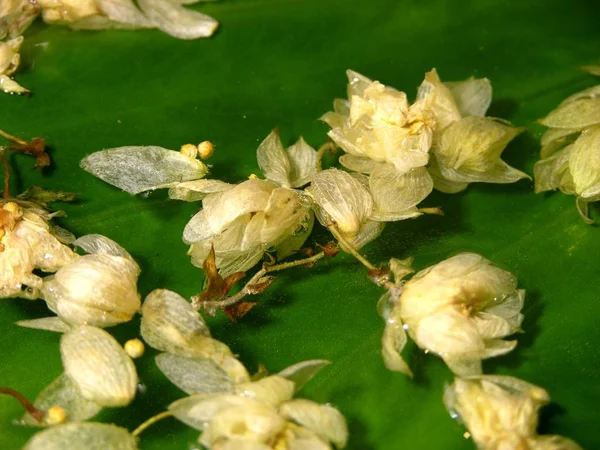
{"points": [[281, 63]]}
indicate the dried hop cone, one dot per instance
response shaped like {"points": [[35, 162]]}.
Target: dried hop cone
{"points": [[460, 309], [501, 412], [27, 244], [570, 155], [98, 289]]}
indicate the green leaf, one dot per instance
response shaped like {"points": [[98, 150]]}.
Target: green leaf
{"points": [[281, 63]]}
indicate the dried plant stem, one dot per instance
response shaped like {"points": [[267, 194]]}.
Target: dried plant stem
{"points": [[36, 413], [212, 306], [151, 421], [327, 146], [6, 168], [11, 138], [347, 246]]}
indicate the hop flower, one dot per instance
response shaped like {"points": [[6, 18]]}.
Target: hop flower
{"points": [[342, 200], [459, 309], [9, 63], [98, 289], [26, 244], [243, 221], [466, 145], [264, 414], [170, 17], [501, 412], [388, 139], [571, 150], [391, 141]]}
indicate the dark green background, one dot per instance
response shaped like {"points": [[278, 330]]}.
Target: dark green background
{"points": [[281, 63]]}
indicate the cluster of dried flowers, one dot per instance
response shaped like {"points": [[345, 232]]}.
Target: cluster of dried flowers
{"points": [[169, 16], [570, 155], [461, 309], [395, 153], [99, 290]]}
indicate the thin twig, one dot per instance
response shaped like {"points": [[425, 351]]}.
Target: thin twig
{"points": [[212, 306], [151, 421], [327, 146], [36, 413], [6, 167], [350, 248], [11, 138]]}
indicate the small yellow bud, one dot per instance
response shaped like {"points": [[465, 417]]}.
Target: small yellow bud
{"points": [[205, 149], [189, 150], [253, 177], [134, 348], [56, 415]]}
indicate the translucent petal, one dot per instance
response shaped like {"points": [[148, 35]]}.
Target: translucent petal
{"points": [[358, 163], [323, 420], [46, 323], [442, 184], [178, 21], [282, 216], [370, 231], [101, 245], [194, 376], [302, 372], [222, 208], [252, 234], [470, 152], [273, 160], [192, 191], [83, 435], [171, 324], [197, 411], [440, 100], [556, 138], [139, 169], [393, 341], [295, 437], [584, 163], [577, 114], [302, 159], [472, 96], [125, 13], [294, 243], [9, 85], [491, 326], [63, 392], [498, 347], [357, 83], [197, 229], [99, 366], [447, 333], [591, 92], [408, 151], [258, 423], [394, 192], [401, 268], [272, 390], [343, 198], [547, 173]]}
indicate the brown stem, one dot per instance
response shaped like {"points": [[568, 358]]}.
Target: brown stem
{"points": [[6, 167], [11, 138], [212, 306], [37, 414]]}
